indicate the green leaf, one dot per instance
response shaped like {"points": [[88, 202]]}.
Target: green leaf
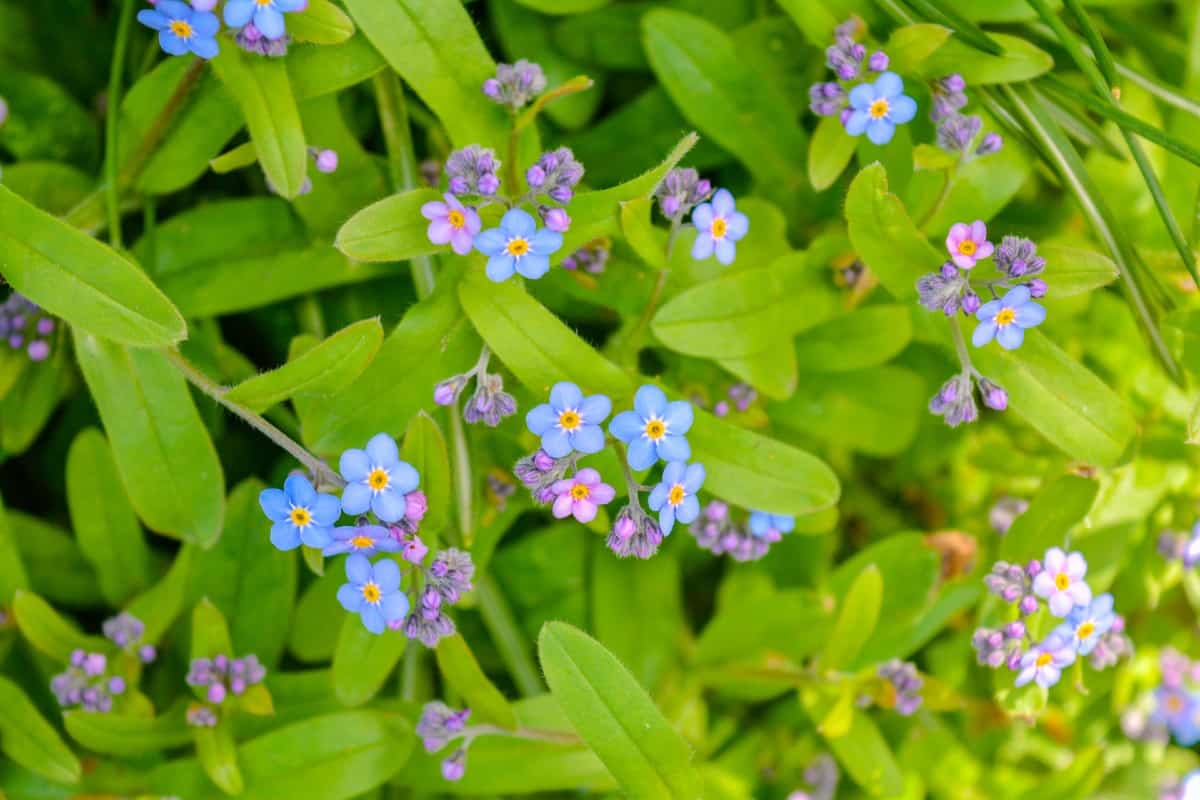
{"points": [[829, 151], [244, 576], [425, 448], [325, 369], [863, 753], [534, 343], [615, 716], [49, 632], [885, 238], [754, 471], [639, 231], [320, 23], [461, 671], [363, 661], [910, 46], [74, 277], [241, 156], [27, 406], [621, 591], [436, 49], [117, 735], [1021, 61], [263, 92], [720, 94], [210, 632], [217, 753], [390, 230], [29, 740], [814, 20], [163, 602], [856, 620], [318, 71], [57, 568], [863, 338], [12, 571], [1055, 510], [44, 120], [163, 453], [1074, 270], [314, 642], [104, 521], [564, 6]]}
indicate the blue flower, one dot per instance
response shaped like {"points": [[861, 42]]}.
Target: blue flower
{"points": [[1045, 662], [765, 525], [365, 539], [267, 15], [570, 421], [879, 107], [1179, 711], [182, 29], [674, 498], [1006, 319], [720, 224], [373, 591], [300, 514], [1086, 625], [377, 479], [517, 245], [654, 429]]}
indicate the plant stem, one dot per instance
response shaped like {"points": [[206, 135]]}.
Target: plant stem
{"points": [[510, 641], [111, 120], [158, 129], [463, 493], [320, 470], [535, 734], [960, 346], [660, 284]]}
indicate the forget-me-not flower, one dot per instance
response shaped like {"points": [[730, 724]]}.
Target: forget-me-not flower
{"points": [[376, 479], [581, 495], [518, 246], [719, 225], [654, 429], [1006, 319], [674, 498], [373, 592], [1045, 662], [267, 15], [451, 223], [1061, 581], [765, 525], [570, 421], [365, 539], [1087, 624], [968, 244], [877, 108], [182, 29], [301, 514]]}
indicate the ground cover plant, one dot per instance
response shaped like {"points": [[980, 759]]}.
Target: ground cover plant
{"points": [[599, 398]]}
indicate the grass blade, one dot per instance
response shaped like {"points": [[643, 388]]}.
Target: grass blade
{"points": [[968, 31]]}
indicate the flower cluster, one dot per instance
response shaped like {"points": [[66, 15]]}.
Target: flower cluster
{"points": [[718, 532], [822, 777], [1089, 626], [1181, 547], [438, 726], [126, 632], [1004, 319], [905, 683], [489, 404], [25, 326], [743, 396], [382, 493], [957, 132], [874, 108], [719, 225], [87, 683], [592, 257], [1004, 513], [515, 84], [217, 679], [183, 28]]}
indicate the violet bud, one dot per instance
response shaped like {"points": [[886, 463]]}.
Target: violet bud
{"points": [[3, 111], [491, 88], [1033, 568], [1037, 287], [1010, 594], [535, 176], [38, 350], [1029, 604], [991, 143], [454, 767], [949, 271], [488, 185], [147, 653], [994, 396], [557, 220], [327, 161], [216, 693], [1015, 630], [878, 61], [970, 303]]}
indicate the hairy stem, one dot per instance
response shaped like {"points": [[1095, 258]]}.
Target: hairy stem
{"points": [[535, 734], [111, 119]]}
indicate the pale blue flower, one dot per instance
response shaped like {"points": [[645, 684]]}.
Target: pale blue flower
{"points": [[877, 108]]}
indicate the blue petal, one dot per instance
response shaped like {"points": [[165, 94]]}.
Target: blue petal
{"points": [[516, 222], [642, 454], [862, 96], [679, 416], [784, 523], [533, 266], [903, 109], [658, 496], [702, 217], [545, 242], [1030, 315], [693, 478], [1017, 296], [888, 85], [171, 43], [206, 48], [382, 451], [291, 5], [650, 402], [627, 426], [152, 19], [372, 618], [326, 510], [285, 536], [880, 131], [405, 477], [760, 523], [739, 224], [270, 22], [541, 419], [354, 465], [491, 242], [688, 510], [299, 490], [1010, 337], [666, 519], [315, 536], [389, 505], [205, 24], [704, 245], [501, 267], [238, 12], [274, 504], [674, 447], [856, 123], [356, 498], [673, 472], [588, 439], [336, 548], [358, 569], [566, 395], [726, 251], [983, 333], [387, 575], [350, 597], [556, 443], [394, 606], [595, 409], [988, 310], [175, 9], [723, 202]]}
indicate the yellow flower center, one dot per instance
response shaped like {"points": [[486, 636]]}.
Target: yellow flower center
{"points": [[1174, 704], [1044, 659], [300, 516], [517, 247], [676, 495], [879, 109], [1006, 317], [656, 429], [569, 420], [263, 2], [378, 479], [371, 593], [1061, 581], [719, 228], [1085, 630], [181, 29], [456, 219], [580, 492], [967, 247], [362, 542]]}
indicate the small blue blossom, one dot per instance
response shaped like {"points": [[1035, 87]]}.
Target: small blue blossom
{"points": [[654, 429], [373, 592], [301, 514], [877, 108], [674, 498], [719, 225], [1006, 319], [376, 479], [1045, 662], [1179, 711], [517, 246], [267, 15], [1086, 625], [183, 29], [771, 527], [570, 421], [365, 539]]}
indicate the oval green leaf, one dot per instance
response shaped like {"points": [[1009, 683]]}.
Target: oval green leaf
{"points": [[462, 672], [320, 23], [28, 739], [390, 230], [116, 735], [363, 661], [51, 633]]}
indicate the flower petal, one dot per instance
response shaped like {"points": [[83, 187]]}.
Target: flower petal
{"points": [[626, 426], [491, 242], [585, 511], [595, 409], [299, 490], [881, 131], [888, 85], [983, 334], [405, 477], [588, 439], [988, 310], [564, 395], [533, 266], [658, 496], [205, 47], [556, 442], [642, 454], [354, 465], [388, 505], [1010, 337], [382, 451], [1031, 315], [274, 504], [326, 510], [674, 447], [562, 506], [317, 536], [516, 222], [205, 24], [440, 231], [350, 597], [704, 245], [862, 96], [726, 251], [171, 43], [270, 22], [723, 203], [650, 402], [356, 498], [673, 472], [387, 575], [602, 493], [903, 109], [285, 536], [394, 606], [358, 569], [545, 242], [856, 123], [978, 231], [500, 267], [688, 510], [666, 519], [738, 225], [372, 618], [541, 419], [702, 216], [693, 478], [238, 12], [1017, 296], [152, 19]]}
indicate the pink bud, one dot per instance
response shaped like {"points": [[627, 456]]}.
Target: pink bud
{"points": [[557, 220], [415, 505], [624, 527], [327, 161], [216, 693]]}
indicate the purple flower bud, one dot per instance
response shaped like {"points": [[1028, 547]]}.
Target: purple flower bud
{"points": [[953, 83], [45, 326], [557, 220], [1037, 287], [1014, 659], [237, 685], [995, 658], [221, 662], [1029, 604], [1015, 630], [858, 51], [78, 658], [991, 143], [994, 396], [535, 176], [327, 161], [561, 194], [670, 206], [491, 88], [116, 685], [543, 461], [721, 409], [847, 71], [970, 303], [454, 767], [216, 693], [95, 664], [458, 185], [995, 639], [488, 185], [1010, 594], [3, 111], [147, 653], [703, 188], [1033, 568], [844, 116], [878, 61], [38, 350], [949, 271]]}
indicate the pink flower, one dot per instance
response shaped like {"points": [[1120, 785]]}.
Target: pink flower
{"points": [[580, 495], [968, 243], [1061, 581], [452, 223]]}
